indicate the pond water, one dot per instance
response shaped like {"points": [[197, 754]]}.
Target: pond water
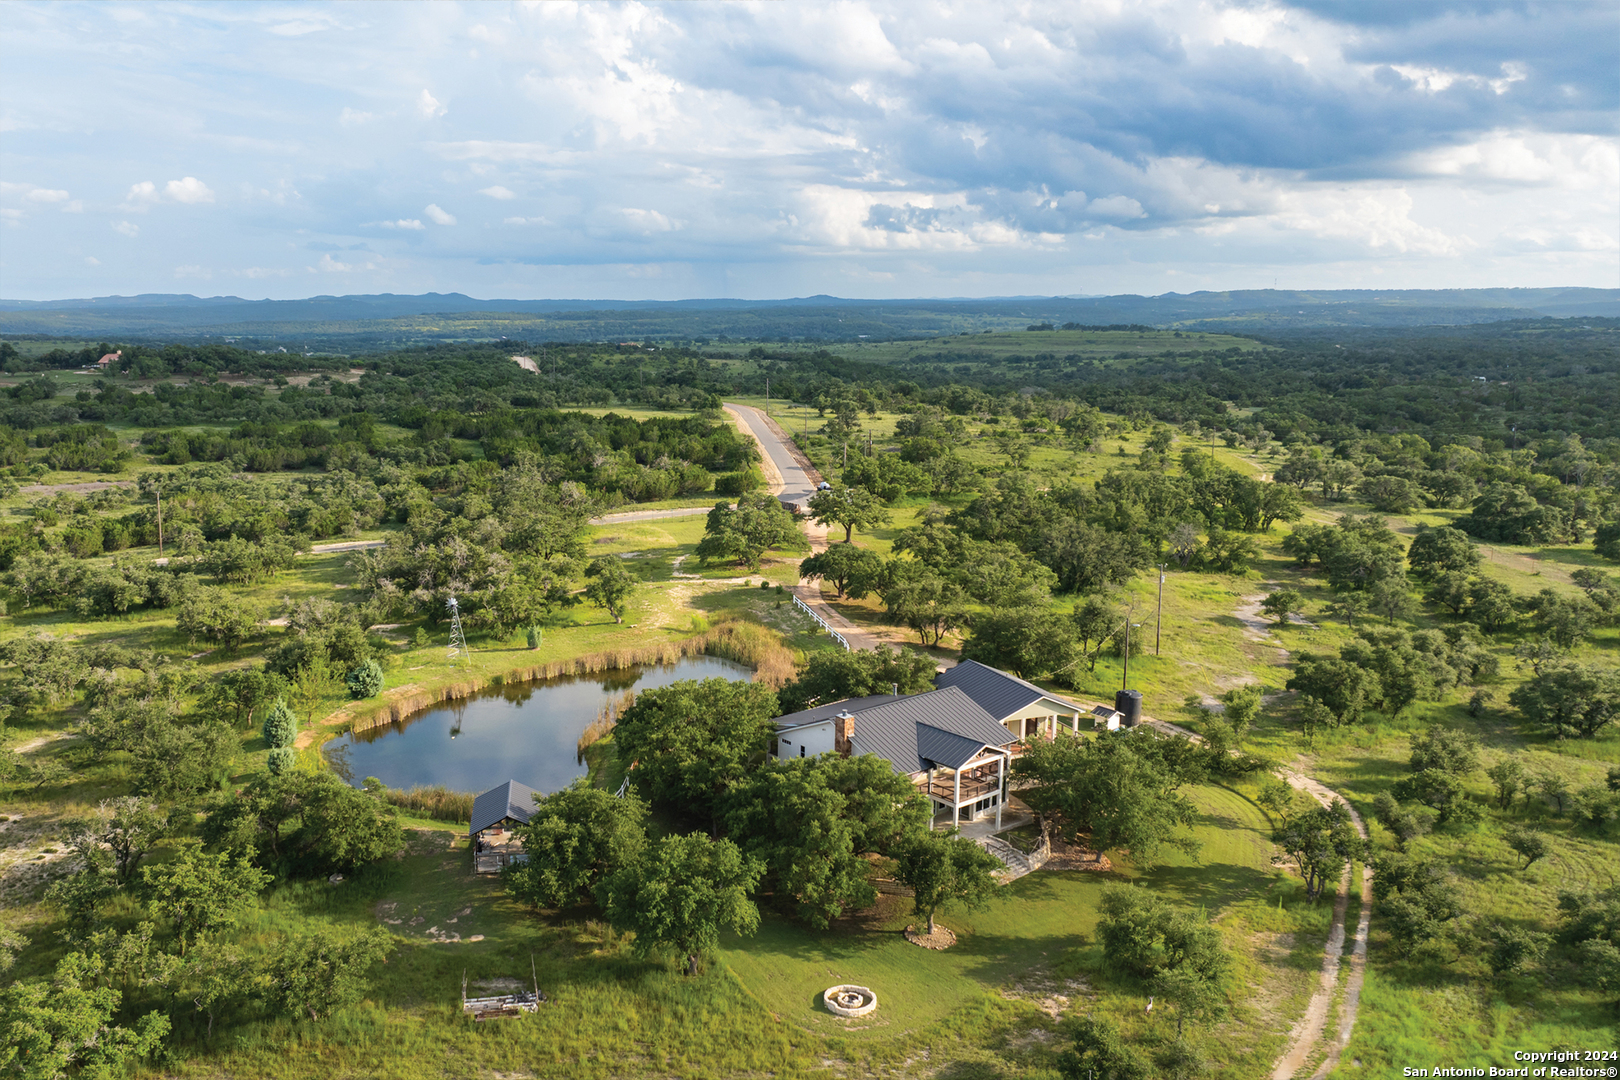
{"points": [[527, 732]]}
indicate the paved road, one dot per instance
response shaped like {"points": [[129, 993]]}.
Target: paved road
{"points": [[796, 483]]}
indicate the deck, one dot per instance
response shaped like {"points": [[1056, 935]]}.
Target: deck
{"points": [[972, 790]]}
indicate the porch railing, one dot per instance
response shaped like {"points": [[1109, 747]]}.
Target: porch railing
{"points": [[972, 790]]}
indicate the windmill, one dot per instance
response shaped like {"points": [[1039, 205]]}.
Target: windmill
{"points": [[458, 641]]}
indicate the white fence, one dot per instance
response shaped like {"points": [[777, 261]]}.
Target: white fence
{"points": [[808, 610]]}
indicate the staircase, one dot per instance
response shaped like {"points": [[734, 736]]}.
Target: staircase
{"points": [[1017, 863]]}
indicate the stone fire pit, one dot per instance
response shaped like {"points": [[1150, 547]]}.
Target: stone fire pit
{"points": [[849, 1000]]}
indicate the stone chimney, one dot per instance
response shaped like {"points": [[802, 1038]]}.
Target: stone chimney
{"points": [[843, 732]]}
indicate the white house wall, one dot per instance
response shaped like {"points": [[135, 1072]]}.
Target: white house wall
{"points": [[812, 739]]}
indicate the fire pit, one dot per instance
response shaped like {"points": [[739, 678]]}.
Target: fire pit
{"points": [[849, 1000]]}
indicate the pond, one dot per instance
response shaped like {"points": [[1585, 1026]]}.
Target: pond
{"points": [[527, 732]]}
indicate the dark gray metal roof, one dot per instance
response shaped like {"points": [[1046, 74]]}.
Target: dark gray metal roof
{"points": [[510, 800], [1104, 711], [897, 729], [831, 709], [996, 692], [946, 747]]}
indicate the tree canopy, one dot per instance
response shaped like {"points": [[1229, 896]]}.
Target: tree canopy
{"points": [[1115, 791], [681, 893], [688, 744]]}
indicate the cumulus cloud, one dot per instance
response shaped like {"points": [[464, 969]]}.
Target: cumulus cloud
{"points": [[498, 192], [126, 228], [412, 224], [141, 195], [428, 106], [352, 117], [188, 190], [145, 194], [437, 216]]}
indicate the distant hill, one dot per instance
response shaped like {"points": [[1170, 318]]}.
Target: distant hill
{"points": [[370, 321]]}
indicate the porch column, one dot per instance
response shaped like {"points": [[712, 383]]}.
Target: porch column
{"points": [[956, 812], [928, 789], [1001, 797]]}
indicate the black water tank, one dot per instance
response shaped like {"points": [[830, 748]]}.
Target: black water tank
{"points": [[1129, 705]]}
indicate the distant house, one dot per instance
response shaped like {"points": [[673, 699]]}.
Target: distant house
{"points": [[110, 359], [954, 742]]}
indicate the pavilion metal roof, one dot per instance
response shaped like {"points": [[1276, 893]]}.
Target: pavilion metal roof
{"points": [[510, 800]]}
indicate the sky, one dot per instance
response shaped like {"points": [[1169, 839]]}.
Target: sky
{"points": [[763, 150]]}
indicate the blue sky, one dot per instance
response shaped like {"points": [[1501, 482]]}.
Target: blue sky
{"points": [[786, 149]]}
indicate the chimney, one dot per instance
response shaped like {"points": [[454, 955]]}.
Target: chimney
{"points": [[843, 732], [896, 688]]}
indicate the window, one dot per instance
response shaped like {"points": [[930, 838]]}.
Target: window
{"points": [[801, 751]]}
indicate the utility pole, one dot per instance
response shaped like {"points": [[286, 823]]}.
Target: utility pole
{"points": [[1125, 679], [1158, 623], [767, 395], [1130, 613], [160, 522]]}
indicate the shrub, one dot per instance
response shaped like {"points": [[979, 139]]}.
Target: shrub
{"points": [[365, 681], [281, 760], [280, 727]]}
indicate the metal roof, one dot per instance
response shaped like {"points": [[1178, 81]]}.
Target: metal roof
{"points": [[996, 692], [946, 747], [510, 800], [831, 709], [942, 720]]}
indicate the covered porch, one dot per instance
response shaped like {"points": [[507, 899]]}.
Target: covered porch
{"points": [[1042, 724], [974, 790]]}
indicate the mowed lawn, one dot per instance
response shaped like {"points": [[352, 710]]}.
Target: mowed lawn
{"points": [[1036, 924]]}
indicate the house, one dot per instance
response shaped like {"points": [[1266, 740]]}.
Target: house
{"points": [[954, 742], [1023, 708], [109, 359]]}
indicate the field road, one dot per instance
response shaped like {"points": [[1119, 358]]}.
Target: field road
{"points": [[1310, 1033]]}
